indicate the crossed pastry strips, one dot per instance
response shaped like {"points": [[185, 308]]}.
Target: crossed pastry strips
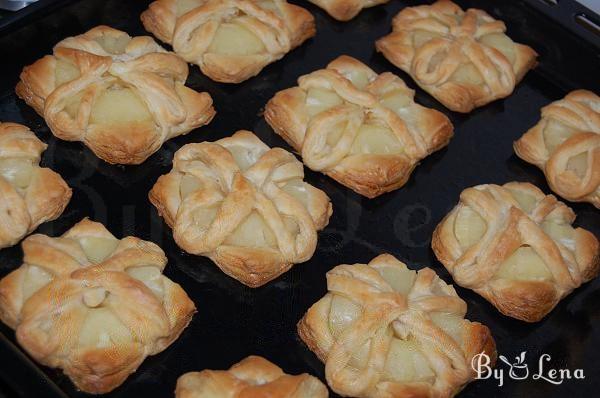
{"points": [[93, 305], [122, 96], [29, 194], [516, 247], [384, 330], [230, 40], [463, 58], [253, 377], [362, 129], [345, 10], [565, 144], [243, 205]]}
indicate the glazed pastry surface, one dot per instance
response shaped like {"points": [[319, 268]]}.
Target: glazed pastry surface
{"points": [[121, 96], [463, 58], [29, 194], [565, 144], [358, 127], [384, 330], [93, 305], [230, 40], [253, 377], [516, 247], [243, 205]]}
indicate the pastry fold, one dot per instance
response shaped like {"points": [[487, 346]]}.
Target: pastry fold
{"points": [[230, 40], [463, 58], [253, 377], [516, 247], [384, 330], [243, 205], [565, 145], [29, 194], [362, 129], [121, 96], [345, 10], [92, 305]]}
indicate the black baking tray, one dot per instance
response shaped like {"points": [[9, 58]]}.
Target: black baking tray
{"points": [[234, 321]]}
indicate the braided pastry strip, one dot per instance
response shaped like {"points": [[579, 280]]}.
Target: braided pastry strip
{"points": [[29, 194], [345, 10], [463, 58], [253, 377], [384, 330], [93, 305], [230, 40], [565, 144], [243, 205], [516, 247], [362, 129], [121, 96]]}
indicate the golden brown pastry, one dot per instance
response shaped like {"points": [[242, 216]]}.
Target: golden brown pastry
{"points": [[93, 305], [384, 331], [29, 194], [121, 96], [565, 144], [230, 40], [345, 10], [516, 247], [362, 129], [243, 205], [463, 58], [253, 377]]}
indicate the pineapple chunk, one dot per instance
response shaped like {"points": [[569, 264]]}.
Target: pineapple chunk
{"points": [[406, 363], [467, 74], [119, 105], [401, 280], [252, 232], [469, 227], [578, 164], [65, 72], [150, 276], [526, 202], [524, 265], [562, 233], [114, 44], [502, 43], [395, 100], [102, 329], [35, 278], [555, 133], [17, 171], [319, 100], [342, 314], [376, 140], [243, 156], [98, 249], [234, 39]]}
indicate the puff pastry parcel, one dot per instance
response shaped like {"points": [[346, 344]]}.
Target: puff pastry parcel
{"points": [[230, 40], [243, 205], [463, 58], [358, 127], [345, 10], [565, 144], [253, 377], [121, 96], [93, 305], [384, 330], [516, 247], [29, 194]]}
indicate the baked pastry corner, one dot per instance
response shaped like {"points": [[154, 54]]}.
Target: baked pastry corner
{"points": [[345, 10], [29, 194], [93, 305], [243, 205], [516, 247], [565, 145], [462, 58], [121, 96], [230, 40], [384, 330], [252, 377], [362, 129]]}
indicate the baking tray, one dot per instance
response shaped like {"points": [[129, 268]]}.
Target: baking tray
{"points": [[234, 321]]}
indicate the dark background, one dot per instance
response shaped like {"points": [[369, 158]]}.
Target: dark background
{"points": [[234, 321]]}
